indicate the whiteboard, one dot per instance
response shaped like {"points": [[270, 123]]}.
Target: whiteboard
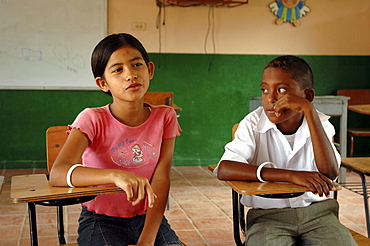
{"points": [[47, 44]]}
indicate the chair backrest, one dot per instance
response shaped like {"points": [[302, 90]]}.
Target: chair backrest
{"points": [[56, 136], [159, 98], [235, 127], [358, 96]]}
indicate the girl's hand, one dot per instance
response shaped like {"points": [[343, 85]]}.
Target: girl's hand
{"points": [[315, 181], [136, 187]]}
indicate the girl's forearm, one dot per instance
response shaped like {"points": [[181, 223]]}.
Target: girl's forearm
{"points": [[86, 176], [154, 215]]}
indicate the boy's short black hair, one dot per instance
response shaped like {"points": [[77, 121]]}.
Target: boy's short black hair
{"points": [[296, 67]]}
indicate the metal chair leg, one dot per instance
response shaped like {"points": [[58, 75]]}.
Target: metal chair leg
{"points": [[352, 145], [236, 219], [33, 223], [60, 225], [241, 216], [366, 203]]}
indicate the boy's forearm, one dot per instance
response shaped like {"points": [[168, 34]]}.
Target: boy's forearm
{"points": [[231, 170], [316, 182], [323, 151]]}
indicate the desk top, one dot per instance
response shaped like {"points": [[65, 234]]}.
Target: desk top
{"points": [[361, 164], [258, 188], [36, 187], [362, 109]]}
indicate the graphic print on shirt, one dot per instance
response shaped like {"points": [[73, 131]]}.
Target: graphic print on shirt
{"points": [[131, 154]]}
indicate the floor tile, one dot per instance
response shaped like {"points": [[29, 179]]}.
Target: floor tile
{"points": [[181, 224], [190, 236], [218, 235], [212, 223], [11, 232], [9, 242]]}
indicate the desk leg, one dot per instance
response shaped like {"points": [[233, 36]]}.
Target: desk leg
{"points": [[33, 224], [236, 218], [366, 203], [242, 216], [342, 175], [60, 223]]}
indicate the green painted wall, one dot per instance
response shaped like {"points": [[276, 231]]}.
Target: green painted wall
{"points": [[212, 90]]}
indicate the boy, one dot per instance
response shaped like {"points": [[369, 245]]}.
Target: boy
{"points": [[289, 134]]}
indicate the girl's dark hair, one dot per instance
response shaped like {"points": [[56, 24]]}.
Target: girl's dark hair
{"points": [[296, 67], [105, 48]]}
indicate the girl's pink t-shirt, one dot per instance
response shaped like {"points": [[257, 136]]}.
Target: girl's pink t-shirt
{"points": [[113, 145]]}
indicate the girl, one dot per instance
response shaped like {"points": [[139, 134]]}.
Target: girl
{"points": [[127, 143]]}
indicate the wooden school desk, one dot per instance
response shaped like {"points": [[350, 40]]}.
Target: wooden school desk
{"points": [[363, 131], [361, 166], [36, 188], [362, 109], [267, 189]]}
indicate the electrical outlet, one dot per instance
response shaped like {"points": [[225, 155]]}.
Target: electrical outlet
{"points": [[139, 26]]}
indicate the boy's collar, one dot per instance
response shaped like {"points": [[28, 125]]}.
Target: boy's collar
{"points": [[264, 124]]}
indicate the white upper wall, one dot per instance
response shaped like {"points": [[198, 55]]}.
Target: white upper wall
{"points": [[333, 27]]}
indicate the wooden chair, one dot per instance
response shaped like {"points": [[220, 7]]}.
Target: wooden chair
{"points": [[162, 98], [358, 97], [35, 189], [56, 137], [159, 98]]}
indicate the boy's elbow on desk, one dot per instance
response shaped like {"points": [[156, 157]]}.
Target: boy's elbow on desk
{"points": [[333, 176], [231, 170], [221, 171]]}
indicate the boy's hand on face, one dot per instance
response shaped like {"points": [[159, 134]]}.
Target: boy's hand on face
{"points": [[315, 181], [292, 101]]}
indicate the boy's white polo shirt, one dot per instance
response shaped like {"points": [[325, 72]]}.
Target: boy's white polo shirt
{"points": [[258, 140]]}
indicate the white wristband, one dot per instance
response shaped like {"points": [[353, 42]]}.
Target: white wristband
{"points": [[69, 173], [260, 168]]}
